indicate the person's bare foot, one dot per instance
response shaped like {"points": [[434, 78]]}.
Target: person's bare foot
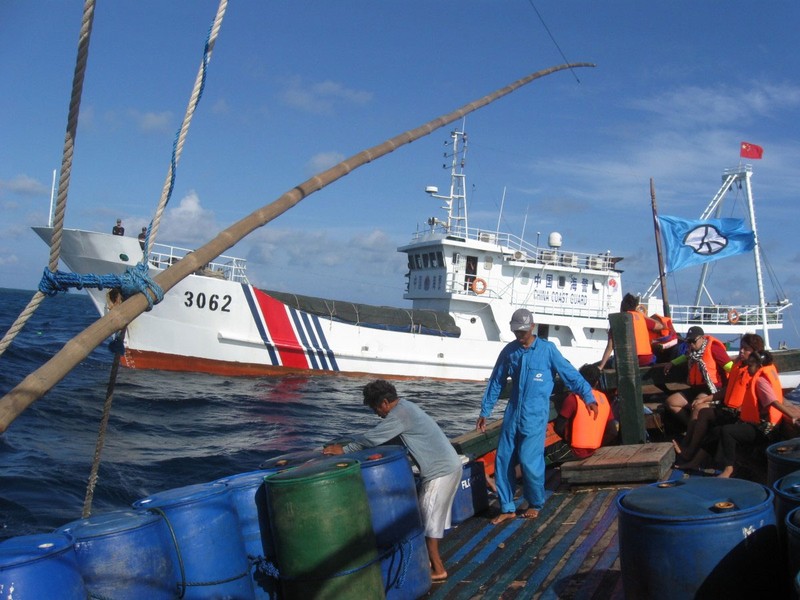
{"points": [[530, 513], [503, 516], [438, 577], [726, 473]]}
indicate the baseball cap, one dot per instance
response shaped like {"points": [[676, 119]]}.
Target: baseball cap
{"points": [[521, 320], [693, 333]]}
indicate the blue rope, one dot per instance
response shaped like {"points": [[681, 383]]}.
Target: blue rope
{"points": [[133, 281]]}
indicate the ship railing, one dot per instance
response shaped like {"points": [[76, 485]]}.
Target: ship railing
{"points": [[517, 249], [720, 314], [224, 267]]}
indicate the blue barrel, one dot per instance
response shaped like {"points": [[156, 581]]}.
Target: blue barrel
{"points": [[699, 538], [782, 458], [792, 524], [396, 521], [472, 496], [787, 497], [126, 555], [40, 566], [290, 460], [249, 497], [210, 545]]}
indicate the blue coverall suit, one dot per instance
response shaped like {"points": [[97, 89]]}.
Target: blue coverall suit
{"points": [[527, 412]]}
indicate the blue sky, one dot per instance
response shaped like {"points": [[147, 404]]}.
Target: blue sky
{"points": [[294, 87]]}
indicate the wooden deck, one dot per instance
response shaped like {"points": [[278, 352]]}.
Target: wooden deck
{"points": [[569, 552]]}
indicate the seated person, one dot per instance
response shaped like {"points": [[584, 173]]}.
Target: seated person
{"points": [[642, 326], [583, 432], [723, 407], [709, 364], [761, 412]]}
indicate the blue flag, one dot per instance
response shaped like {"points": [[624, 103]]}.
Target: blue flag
{"points": [[692, 242]]}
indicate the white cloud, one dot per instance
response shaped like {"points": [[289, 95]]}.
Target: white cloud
{"points": [[11, 259], [188, 222], [151, 121], [24, 186], [323, 161], [322, 98]]}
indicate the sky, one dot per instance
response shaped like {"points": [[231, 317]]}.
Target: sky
{"points": [[295, 87]]}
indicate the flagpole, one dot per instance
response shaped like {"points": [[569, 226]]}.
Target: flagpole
{"points": [[661, 274]]}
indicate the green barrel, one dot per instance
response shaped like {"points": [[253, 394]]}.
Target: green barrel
{"points": [[322, 532]]}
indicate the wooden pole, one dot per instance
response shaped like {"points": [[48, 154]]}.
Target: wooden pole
{"points": [[629, 383], [38, 383], [662, 276]]}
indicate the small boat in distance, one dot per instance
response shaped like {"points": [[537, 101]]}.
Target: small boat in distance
{"points": [[464, 283]]}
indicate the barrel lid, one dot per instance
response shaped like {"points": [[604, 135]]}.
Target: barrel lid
{"points": [[789, 485], [786, 449], [290, 460], [112, 522], [27, 548], [379, 455], [327, 468], [695, 498], [245, 480], [182, 495]]}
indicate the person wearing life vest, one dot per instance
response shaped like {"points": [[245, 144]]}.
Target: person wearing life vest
{"points": [[583, 431], [709, 364], [761, 412], [664, 340], [723, 407], [642, 326]]}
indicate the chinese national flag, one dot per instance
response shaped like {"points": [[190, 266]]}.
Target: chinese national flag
{"points": [[751, 150]]}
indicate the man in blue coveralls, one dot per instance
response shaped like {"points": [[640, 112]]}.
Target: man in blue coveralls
{"points": [[532, 364]]}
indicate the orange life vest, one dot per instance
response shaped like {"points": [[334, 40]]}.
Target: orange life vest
{"points": [[751, 410], [641, 333], [587, 432], [666, 334], [738, 380], [696, 376]]}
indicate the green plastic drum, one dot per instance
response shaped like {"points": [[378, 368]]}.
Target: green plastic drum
{"points": [[322, 531]]}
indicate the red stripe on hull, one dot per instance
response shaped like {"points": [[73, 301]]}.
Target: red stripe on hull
{"points": [[293, 355]]}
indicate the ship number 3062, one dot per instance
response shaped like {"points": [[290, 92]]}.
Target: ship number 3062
{"points": [[212, 302]]}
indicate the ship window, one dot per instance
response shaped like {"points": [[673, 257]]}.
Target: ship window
{"points": [[418, 261], [562, 281], [487, 263], [596, 285], [410, 262], [524, 278], [432, 256], [440, 258], [425, 260]]}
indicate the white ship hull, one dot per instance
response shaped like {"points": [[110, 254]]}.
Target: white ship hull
{"points": [[213, 325]]}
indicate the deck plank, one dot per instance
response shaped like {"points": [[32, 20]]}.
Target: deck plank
{"points": [[569, 552]]}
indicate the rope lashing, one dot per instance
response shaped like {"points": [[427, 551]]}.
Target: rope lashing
{"points": [[133, 281]]}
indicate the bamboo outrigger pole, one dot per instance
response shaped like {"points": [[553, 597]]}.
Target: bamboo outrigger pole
{"points": [[38, 383]]}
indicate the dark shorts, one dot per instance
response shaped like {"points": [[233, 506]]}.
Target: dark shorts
{"points": [[694, 391]]}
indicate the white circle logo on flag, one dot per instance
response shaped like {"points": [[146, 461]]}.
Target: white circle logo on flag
{"points": [[706, 240]]}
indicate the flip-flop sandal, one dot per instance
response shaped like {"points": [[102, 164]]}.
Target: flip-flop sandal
{"points": [[528, 514], [438, 578]]}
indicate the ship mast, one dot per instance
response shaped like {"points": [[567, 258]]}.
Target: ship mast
{"points": [[729, 178], [456, 201]]}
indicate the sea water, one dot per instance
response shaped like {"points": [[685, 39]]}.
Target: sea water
{"points": [[166, 430]]}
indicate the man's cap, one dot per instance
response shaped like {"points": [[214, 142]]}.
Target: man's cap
{"points": [[119, 220], [521, 320], [693, 333], [144, 229]]}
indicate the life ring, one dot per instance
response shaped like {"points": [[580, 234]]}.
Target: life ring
{"points": [[478, 286], [733, 317]]}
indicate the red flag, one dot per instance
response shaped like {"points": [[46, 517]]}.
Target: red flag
{"points": [[751, 150]]}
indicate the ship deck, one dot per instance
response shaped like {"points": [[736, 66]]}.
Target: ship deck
{"points": [[570, 551]]}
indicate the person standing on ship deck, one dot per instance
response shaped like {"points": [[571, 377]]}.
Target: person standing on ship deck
{"points": [[439, 465], [118, 229], [532, 363]]}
